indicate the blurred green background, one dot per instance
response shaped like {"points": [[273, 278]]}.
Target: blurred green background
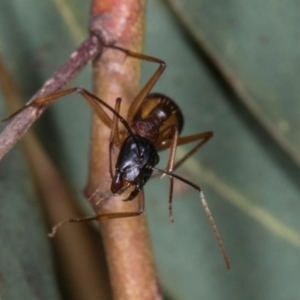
{"points": [[249, 172]]}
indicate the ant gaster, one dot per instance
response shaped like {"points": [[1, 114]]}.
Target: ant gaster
{"points": [[153, 123]]}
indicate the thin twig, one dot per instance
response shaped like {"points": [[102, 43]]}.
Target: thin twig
{"points": [[87, 51]]}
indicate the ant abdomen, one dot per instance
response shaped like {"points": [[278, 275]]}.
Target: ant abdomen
{"points": [[162, 109]]}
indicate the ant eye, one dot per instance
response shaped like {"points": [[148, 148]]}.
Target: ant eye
{"points": [[133, 146]]}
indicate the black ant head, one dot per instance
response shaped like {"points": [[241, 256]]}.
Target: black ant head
{"points": [[134, 166]]}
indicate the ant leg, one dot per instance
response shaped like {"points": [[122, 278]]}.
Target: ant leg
{"points": [[94, 99], [206, 209], [105, 216], [114, 135], [143, 93], [169, 168], [203, 137], [133, 194], [45, 101]]}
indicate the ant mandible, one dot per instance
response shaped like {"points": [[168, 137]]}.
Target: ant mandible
{"points": [[153, 123]]}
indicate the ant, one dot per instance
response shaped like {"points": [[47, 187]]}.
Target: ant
{"points": [[153, 123]]}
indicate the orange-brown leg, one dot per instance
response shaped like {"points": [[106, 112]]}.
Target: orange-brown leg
{"points": [[94, 99], [138, 100], [40, 102], [95, 103], [207, 211], [170, 166], [201, 137], [205, 136], [106, 216], [114, 135], [173, 146]]}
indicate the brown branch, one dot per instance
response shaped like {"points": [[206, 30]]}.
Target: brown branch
{"points": [[126, 240], [88, 50]]}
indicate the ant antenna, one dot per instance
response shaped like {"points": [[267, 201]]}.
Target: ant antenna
{"points": [[57, 226], [207, 211], [96, 191], [122, 120]]}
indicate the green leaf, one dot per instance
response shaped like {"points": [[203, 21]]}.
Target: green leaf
{"points": [[249, 180], [26, 265]]}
